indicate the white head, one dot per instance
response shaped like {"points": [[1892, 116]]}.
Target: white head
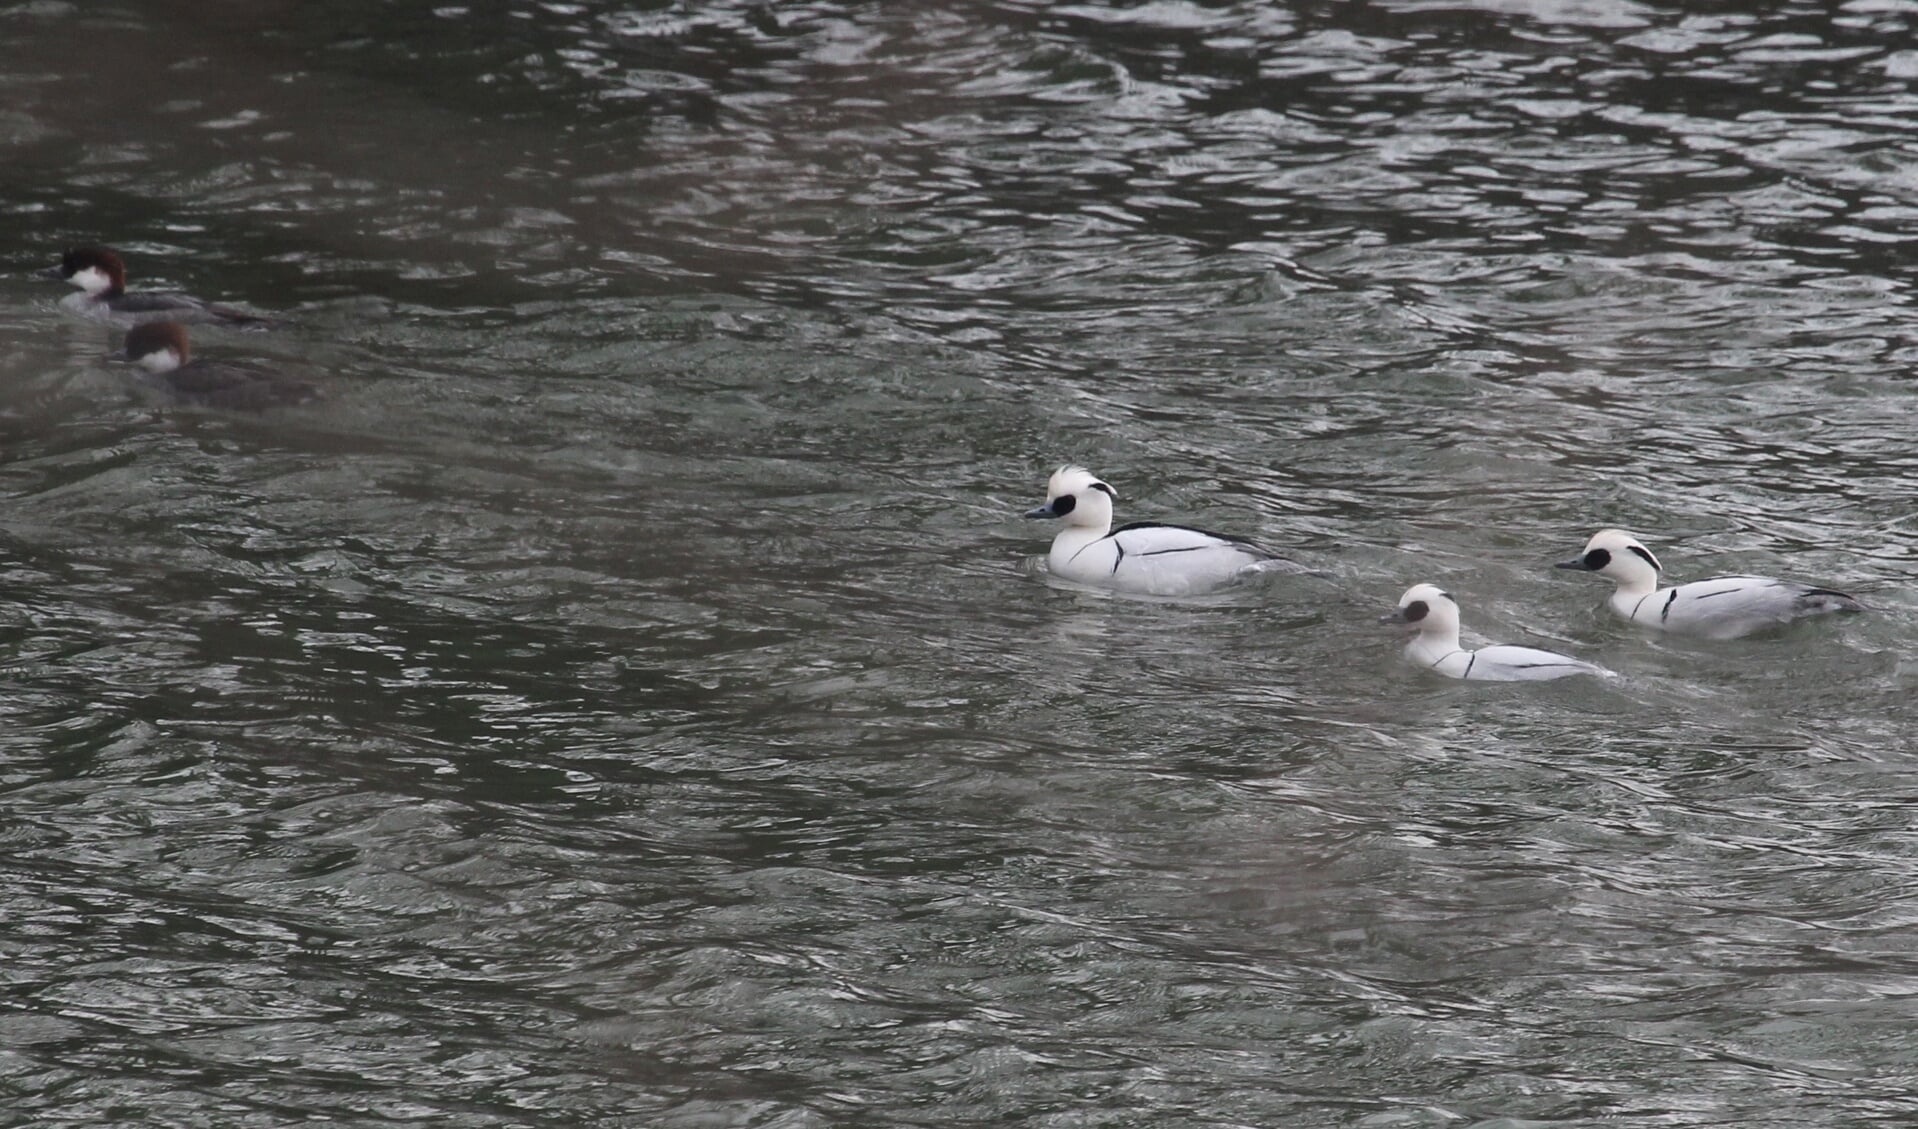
{"points": [[157, 346], [1430, 612], [1617, 554], [1076, 495]]}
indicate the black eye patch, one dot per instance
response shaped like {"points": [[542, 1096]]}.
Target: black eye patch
{"points": [[1104, 487], [1597, 559], [1644, 556], [1063, 504], [1415, 611]]}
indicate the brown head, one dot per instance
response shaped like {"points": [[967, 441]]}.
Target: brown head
{"points": [[157, 346], [96, 270]]}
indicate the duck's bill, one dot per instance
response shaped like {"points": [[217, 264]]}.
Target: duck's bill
{"points": [[1042, 511], [49, 272], [1576, 563], [1396, 615]]}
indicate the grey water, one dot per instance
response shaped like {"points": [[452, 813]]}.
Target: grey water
{"points": [[631, 698]]}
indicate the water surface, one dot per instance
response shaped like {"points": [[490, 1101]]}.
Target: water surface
{"points": [[631, 698]]}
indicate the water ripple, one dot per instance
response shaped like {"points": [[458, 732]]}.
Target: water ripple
{"points": [[632, 697]]}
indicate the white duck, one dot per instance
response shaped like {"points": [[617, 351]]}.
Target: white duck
{"points": [[1433, 615], [1723, 607], [1144, 556]]}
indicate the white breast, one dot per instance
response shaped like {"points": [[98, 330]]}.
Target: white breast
{"points": [[85, 305]]}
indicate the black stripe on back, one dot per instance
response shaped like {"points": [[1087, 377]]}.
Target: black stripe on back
{"points": [[1249, 546]]}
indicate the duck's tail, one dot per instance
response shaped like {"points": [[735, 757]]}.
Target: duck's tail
{"points": [[1817, 601]]}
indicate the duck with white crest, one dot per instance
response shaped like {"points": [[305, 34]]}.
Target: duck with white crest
{"points": [[1724, 607], [1433, 617], [1146, 557]]}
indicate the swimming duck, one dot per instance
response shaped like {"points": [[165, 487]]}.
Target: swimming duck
{"points": [[1723, 607], [1433, 616], [101, 278], [1143, 556], [160, 348]]}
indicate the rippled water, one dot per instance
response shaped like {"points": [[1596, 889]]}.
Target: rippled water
{"points": [[630, 699]]}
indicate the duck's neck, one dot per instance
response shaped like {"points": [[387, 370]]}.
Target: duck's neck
{"points": [[1637, 587], [1428, 647], [1075, 537]]}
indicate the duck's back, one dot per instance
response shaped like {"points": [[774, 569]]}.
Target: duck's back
{"points": [[140, 307], [1726, 607], [1510, 663], [232, 386], [1160, 559], [1499, 663]]}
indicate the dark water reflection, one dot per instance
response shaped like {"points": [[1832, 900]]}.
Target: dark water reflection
{"points": [[628, 700]]}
